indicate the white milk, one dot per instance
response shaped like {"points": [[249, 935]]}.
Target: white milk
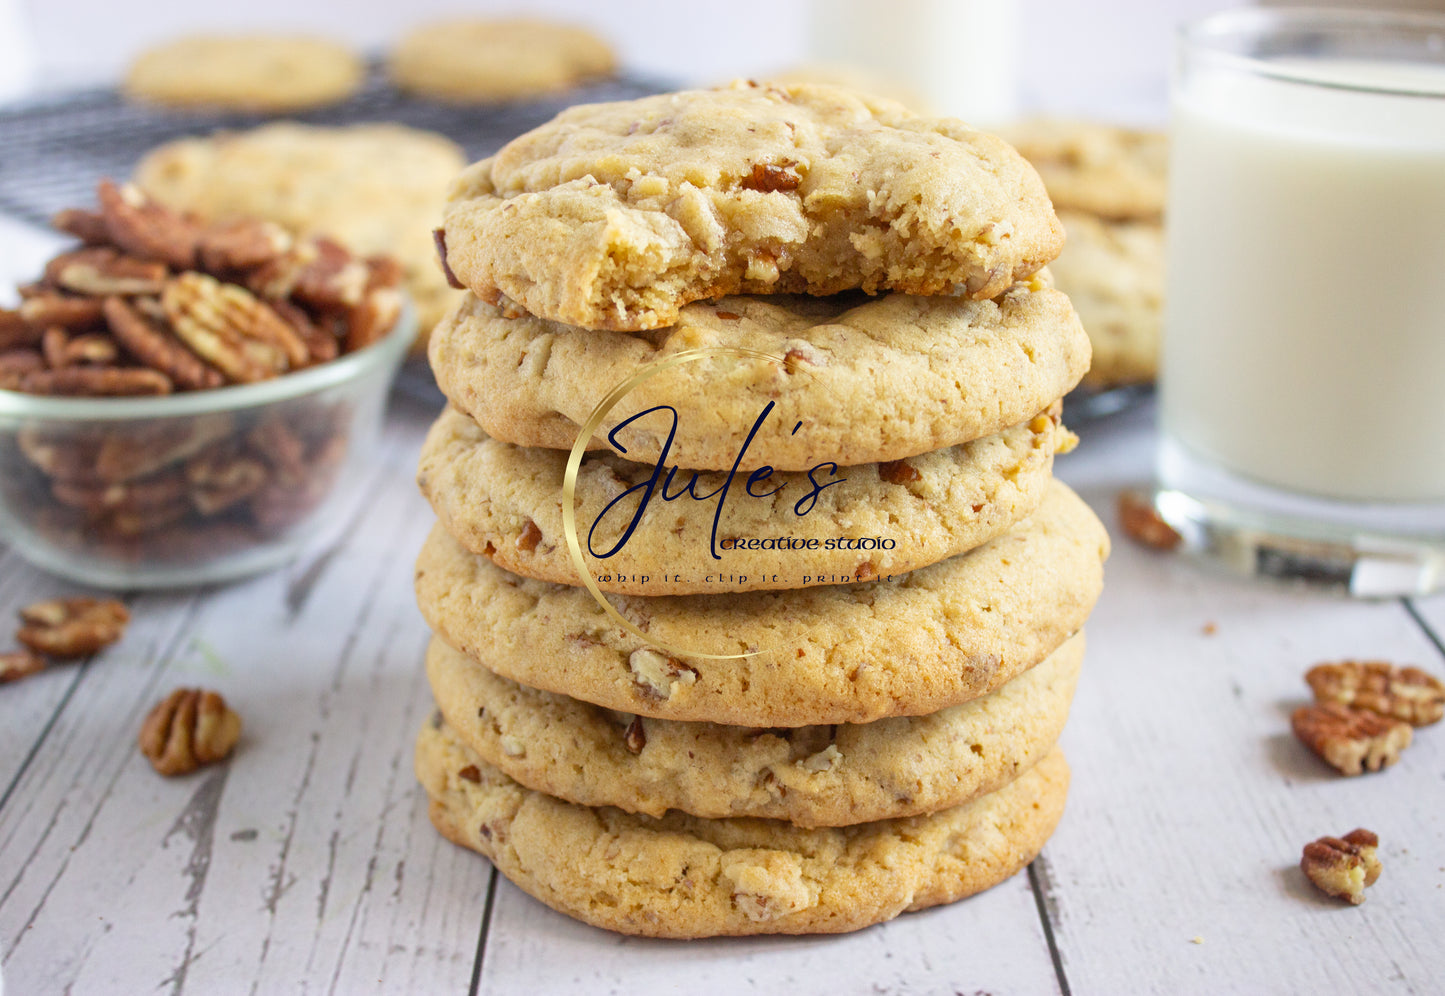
{"points": [[1305, 316]]}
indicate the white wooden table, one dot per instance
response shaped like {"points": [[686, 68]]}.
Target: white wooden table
{"points": [[307, 865]]}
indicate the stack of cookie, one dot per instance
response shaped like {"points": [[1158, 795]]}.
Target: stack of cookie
{"points": [[837, 598], [1108, 184]]}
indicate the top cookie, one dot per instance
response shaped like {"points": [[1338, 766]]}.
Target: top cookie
{"points": [[252, 73], [377, 188], [474, 61], [1112, 172], [614, 216]]}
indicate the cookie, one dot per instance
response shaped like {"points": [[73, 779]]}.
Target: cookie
{"points": [[874, 379], [1113, 271], [841, 654], [681, 876], [834, 775], [1105, 170], [860, 79], [249, 73], [377, 188], [615, 215], [475, 61], [682, 535]]}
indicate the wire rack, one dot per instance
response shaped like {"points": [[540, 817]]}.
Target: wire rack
{"points": [[54, 148]]}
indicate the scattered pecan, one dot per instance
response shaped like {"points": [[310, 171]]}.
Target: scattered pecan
{"points": [[146, 229], [1406, 693], [1343, 866], [1142, 523], [18, 664], [152, 345], [189, 728], [635, 737], [1352, 740], [231, 328], [100, 270], [72, 627]]}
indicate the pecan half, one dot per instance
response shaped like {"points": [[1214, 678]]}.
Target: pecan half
{"points": [[100, 270], [223, 477], [1143, 524], [72, 627], [16, 332], [146, 229], [1406, 693], [189, 728], [49, 308], [1343, 866], [15, 364], [1351, 740], [158, 348], [316, 271], [372, 318], [229, 327], [97, 382], [321, 342], [152, 492], [87, 226], [17, 664], [243, 244]]}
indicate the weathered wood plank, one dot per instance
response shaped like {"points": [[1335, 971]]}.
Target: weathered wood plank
{"points": [[1192, 798], [306, 864], [992, 942]]}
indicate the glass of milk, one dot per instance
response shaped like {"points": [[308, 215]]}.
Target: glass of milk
{"points": [[1302, 381]]}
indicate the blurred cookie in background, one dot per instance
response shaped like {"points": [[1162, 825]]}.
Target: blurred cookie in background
{"points": [[1113, 272], [265, 73], [856, 78], [376, 188], [1104, 169], [478, 61], [1108, 185]]}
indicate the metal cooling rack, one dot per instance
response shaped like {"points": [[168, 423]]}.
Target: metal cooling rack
{"points": [[54, 148]]}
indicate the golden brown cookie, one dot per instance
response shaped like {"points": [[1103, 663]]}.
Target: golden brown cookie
{"points": [[1105, 170], [476, 61], [832, 775], [616, 215], [647, 531], [246, 72], [872, 379], [681, 876], [840, 654]]}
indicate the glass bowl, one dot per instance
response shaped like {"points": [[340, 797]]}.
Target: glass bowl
{"points": [[190, 488]]}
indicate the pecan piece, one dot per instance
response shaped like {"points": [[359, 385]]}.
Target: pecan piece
{"points": [[1343, 866], [48, 308], [657, 674], [87, 226], [1142, 523], [93, 348], [72, 627], [439, 235], [146, 229], [228, 326], [16, 332], [316, 271], [221, 478], [372, 318], [15, 364], [52, 346], [321, 342], [97, 498], [189, 728], [144, 449], [158, 348], [770, 178], [97, 382], [243, 244], [18, 664], [1406, 693], [635, 738], [100, 270], [1352, 740], [898, 472]]}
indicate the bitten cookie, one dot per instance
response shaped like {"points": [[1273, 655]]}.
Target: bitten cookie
{"points": [[615, 215], [376, 188], [502, 59], [841, 654], [834, 775], [1105, 170], [873, 379], [1113, 272], [854, 523], [681, 876], [251, 73]]}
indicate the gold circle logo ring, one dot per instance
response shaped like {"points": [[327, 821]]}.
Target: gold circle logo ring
{"points": [[574, 463]]}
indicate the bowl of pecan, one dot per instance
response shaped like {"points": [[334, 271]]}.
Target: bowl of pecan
{"points": [[184, 403]]}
